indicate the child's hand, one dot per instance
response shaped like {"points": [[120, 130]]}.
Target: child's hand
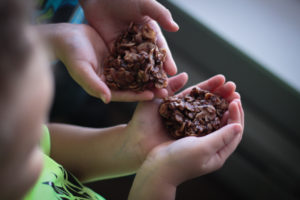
{"points": [[110, 18], [146, 125], [190, 157], [83, 51], [174, 162], [171, 162]]}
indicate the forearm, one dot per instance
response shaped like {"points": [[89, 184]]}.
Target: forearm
{"points": [[93, 153]]}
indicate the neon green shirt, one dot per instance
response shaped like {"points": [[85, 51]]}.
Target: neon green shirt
{"points": [[56, 183]]}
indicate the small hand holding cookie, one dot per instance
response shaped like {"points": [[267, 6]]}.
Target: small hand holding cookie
{"points": [[111, 18], [169, 162], [83, 52]]}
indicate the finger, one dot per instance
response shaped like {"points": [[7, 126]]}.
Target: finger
{"points": [[227, 150], [128, 96], [233, 96], [175, 83], [225, 90], [225, 118], [241, 112], [159, 13], [169, 64], [86, 76], [160, 92], [210, 84], [227, 143], [234, 113], [220, 138], [234, 110]]}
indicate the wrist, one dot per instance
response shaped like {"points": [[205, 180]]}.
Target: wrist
{"points": [[48, 32], [132, 141], [158, 163], [165, 164], [151, 183]]}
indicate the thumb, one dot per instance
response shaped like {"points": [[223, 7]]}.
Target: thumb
{"points": [[85, 75], [221, 144], [222, 137], [159, 13], [175, 83]]}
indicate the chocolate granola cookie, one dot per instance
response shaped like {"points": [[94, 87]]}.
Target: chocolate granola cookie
{"points": [[196, 114], [136, 62]]}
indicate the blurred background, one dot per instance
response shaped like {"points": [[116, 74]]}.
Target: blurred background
{"points": [[254, 43]]}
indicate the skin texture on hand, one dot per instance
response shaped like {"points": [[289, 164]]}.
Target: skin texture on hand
{"points": [[94, 154], [111, 18], [83, 51], [170, 162], [147, 118]]}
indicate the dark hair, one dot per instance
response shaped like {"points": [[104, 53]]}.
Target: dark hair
{"points": [[14, 46]]}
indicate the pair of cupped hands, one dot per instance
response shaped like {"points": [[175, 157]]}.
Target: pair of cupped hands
{"points": [[83, 48]]}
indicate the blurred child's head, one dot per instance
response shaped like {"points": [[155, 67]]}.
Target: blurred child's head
{"points": [[25, 78], [25, 94]]}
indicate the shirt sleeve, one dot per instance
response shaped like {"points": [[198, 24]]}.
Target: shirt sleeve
{"points": [[45, 141]]}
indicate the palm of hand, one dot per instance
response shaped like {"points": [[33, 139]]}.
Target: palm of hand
{"points": [[147, 127], [110, 18], [153, 139], [82, 50], [190, 157]]}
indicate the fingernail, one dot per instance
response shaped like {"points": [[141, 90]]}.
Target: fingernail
{"points": [[237, 101], [175, 24], [102, 97]]}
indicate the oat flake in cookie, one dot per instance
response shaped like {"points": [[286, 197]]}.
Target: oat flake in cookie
{"points": [[136, 63], [196, 114]]}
